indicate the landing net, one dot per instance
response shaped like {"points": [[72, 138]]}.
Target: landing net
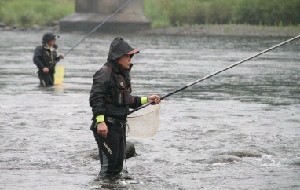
{"points": [[144, 123]]}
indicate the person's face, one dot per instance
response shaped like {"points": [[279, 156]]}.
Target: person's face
{"points": [[51, 43], [125, 61]]}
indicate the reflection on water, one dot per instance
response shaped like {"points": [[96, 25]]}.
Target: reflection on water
{"points": [[238, 130]]}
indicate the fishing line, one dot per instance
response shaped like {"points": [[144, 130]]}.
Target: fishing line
{"points": [[100, 25], [220, 71]]}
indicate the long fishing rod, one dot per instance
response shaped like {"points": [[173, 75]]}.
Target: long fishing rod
{"points": [[220, 71], [100, 25]]}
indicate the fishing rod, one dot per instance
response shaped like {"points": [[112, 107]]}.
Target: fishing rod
{"points": [[100, 25], [218, 72]]}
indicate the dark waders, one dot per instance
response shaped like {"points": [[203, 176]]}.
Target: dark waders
{"points": [[46, 79], [112, 149]]}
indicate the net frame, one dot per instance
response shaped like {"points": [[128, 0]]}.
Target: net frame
{"points": [[144, 123]]}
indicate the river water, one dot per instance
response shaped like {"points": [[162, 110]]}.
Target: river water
{"points": [[238, 130]]}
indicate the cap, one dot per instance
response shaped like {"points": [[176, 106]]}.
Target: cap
{"points": [[48, 37]]}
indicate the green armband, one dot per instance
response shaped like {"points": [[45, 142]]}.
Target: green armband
{"points": [[144, 100], [100, 118]]}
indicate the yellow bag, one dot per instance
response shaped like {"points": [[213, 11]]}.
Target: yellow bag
{"points": [[59, 75]]}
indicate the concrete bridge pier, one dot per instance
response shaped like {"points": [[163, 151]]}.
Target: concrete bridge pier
{"points": [[89, 13]]}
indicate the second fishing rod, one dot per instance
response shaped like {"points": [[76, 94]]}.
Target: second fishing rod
{"points": [[100, 25], [60, 69]]}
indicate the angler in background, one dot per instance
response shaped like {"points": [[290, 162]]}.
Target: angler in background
{"points": [[45, 58], [110, 99]]}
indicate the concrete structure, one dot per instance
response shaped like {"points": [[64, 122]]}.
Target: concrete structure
{"points": [[89, 13]]}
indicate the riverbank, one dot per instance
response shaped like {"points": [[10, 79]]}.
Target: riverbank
{"points": [[195, 30], [54, 26], [164, 13], [29, 13], [227, 30]]}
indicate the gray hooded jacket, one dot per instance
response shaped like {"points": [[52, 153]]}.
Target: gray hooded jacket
{"points": [[110, 94]]}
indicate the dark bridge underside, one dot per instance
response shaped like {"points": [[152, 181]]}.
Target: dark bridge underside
{"points": [[90, 13], [87, 21]]}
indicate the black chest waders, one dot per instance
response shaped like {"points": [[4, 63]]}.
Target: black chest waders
{"points": [[49, 57]]}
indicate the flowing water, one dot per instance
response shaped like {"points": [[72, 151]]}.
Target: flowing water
{"points": [[238, 130]]}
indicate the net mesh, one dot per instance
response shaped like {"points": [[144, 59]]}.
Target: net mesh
{"points": [[145, 122]]}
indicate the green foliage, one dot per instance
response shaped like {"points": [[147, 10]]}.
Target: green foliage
{"points": [[165, 12], [157, 12], [182, 12], [29, 12], [271, 12], [219, 12]]}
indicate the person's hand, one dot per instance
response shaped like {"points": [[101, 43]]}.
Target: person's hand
{"points": [[46, 70], [102, 129], [62, 56], [154, 99]]}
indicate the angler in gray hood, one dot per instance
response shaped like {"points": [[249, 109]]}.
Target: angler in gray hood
{"points": [[110, 99]]}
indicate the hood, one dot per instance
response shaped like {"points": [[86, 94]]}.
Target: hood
{"points": [[118, 48]]}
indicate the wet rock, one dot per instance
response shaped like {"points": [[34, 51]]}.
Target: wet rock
{"points": [[242, 154], [23, 124], [94, 154], [21, 29], [130, 150], [294, 162], [225, 159], [2, 25], [10, 28], [7, 28]]}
